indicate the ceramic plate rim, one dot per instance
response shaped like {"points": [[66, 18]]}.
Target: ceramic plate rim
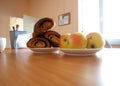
{"points": [[44, 49], [80, 52]]}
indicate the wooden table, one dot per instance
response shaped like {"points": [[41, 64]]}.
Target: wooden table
{"points": [[22, 67]]}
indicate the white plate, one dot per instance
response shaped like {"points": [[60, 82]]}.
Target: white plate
{"points": [[44, 50], [80, 52]]}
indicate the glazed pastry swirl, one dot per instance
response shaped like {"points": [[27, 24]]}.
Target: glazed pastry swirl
{"points": [[38, 43], [43, 36], [53, 37], [42, 26]]}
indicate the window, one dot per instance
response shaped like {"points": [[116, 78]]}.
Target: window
{"points": [[102, 16]]}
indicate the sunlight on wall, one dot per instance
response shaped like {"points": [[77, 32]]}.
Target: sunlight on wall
{"points": [[88, 12]]}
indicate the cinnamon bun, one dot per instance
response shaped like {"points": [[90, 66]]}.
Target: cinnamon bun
{"points": [[43, 25], [53, 37], [38, 43]]}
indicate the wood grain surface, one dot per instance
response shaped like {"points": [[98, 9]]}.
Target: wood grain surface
{"points": [[22, 67]]}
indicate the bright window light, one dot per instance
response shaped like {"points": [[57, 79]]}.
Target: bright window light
{"points": [[111, 22], [102, 16]]}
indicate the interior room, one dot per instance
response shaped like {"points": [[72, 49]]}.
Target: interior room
{"points": [[59, 43], [32, 10]]}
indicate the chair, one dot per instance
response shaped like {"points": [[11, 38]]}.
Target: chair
{"points": [[107, 44]]}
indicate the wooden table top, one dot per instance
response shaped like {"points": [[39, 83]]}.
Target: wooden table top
{"points": [[22, 67]]}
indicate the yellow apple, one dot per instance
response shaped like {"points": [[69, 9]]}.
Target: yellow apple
{"points": [[95, 40], [64, 40], [75, 40]]}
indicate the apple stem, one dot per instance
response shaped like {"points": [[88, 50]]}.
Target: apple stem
{"points": [[89, 38]]}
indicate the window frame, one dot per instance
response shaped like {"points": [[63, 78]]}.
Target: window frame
{"points": [[112, 41]]}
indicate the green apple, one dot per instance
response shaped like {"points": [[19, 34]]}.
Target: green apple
{"points": [[75, 40], [95, 40]]}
